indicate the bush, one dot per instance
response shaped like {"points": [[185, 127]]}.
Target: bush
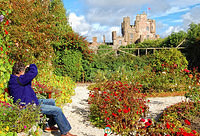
{"points": [[5, 62], [60, 85], [71, 54], [110, 64], [182, 116], [16, 119], [117, 104], [69, 64], [169, 57], [194, 91]]}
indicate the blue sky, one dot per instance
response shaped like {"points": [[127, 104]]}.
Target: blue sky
{"points": [[100, 17]]}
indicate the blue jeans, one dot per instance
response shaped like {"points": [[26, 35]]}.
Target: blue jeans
{"points": [[55, 115]]}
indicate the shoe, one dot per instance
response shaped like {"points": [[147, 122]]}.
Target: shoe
{"points": [[53, 128], [68, 134]]}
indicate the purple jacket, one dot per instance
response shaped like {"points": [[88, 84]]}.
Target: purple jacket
{"points": [[24, 93]]}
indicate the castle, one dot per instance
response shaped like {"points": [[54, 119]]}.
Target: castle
{"points": [[142, 29]]}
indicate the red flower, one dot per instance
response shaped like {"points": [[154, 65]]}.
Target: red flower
{"points": [[8, 46], [167, 125], [108, 126], [107, 118], [92, 95], [142, 110], [106, 112], [125, 110], [150, 122], [1, 49], [147, 124], [162, 64], [120, 99], [187, 122], [6, 32], [137, 112], [7, 22], [119, 110], [193, 131], [105, 134], [187, 71], [96, 88], [143, 120], [115, 115]]}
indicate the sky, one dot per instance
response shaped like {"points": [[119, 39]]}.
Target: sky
{"points": [[95, 18]]}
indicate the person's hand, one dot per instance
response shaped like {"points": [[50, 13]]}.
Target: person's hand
{"points": [[27, 66]]}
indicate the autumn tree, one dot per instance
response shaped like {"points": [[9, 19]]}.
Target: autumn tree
{"points": [[34, 27]]}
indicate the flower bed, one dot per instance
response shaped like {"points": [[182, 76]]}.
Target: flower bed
{"points": [[186, 114], [117, 104], [16, 119], [122, 107]]}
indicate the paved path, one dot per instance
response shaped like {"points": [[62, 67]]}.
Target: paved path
{"points": [[77, 112]]}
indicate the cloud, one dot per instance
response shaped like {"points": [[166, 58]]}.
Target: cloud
{"points": [[170, 30], [98, 31], [183, 3], [115, 3], [79, 24], [111, 12], [172, 10], [186, 19], [192, 16]]}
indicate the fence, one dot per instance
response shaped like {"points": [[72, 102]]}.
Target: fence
{"points": [[116, 50]]}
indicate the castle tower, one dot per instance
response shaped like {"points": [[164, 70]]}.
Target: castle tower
{"points": [[153, 26], [94, 39], [114, 37], [125, 26], [104, 39]]}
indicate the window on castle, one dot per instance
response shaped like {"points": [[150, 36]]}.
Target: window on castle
{"points": [[131, 36], [120, 42], [147, 28]]}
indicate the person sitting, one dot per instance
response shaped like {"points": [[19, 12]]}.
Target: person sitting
{"points": [[20, 88]]}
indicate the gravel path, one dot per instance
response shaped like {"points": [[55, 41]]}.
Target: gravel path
{"points": [[77, 112]]}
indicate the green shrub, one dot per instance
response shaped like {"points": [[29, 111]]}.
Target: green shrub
{"points": [[70, 64], [110, 64], [169, 57]]}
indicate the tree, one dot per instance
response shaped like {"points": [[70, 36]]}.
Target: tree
{"points": [[193, 45], [174, 39]]}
